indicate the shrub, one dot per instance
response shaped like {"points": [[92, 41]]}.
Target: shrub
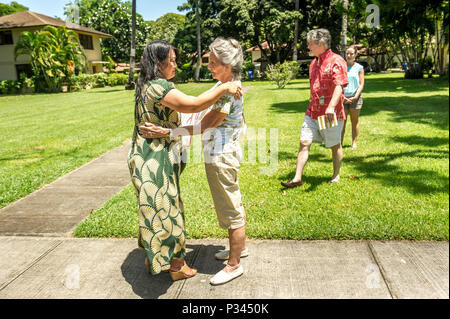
{"points": [[10, 87], [117, 79], [86, 80], [427, 65], [100, 80], [281, 74], [185, 73], [74, 83], [414, 71], [205, 73], [27, 84]]}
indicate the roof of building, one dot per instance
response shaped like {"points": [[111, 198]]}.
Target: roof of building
{"points": [[28, 19]]}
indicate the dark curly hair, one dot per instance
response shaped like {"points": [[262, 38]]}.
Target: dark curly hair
{"points": [[154, 55]]}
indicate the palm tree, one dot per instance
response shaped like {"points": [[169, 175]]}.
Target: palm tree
{"points": [[344, 28], [131, 85], [55, 53], [199, 41], [294, 55]]}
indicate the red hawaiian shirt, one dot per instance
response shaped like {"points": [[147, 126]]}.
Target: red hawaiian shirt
{"points": [[325, 73]]}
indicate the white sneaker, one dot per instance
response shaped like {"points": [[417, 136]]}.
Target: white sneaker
{"points": [[225, 254], [223, 277]]}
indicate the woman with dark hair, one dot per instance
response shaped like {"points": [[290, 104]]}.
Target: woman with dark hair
{"points": [[222, 126], [155, 163]]}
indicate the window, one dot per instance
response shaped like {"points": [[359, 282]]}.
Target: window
{"points": [[6, 37], [86, 41]]}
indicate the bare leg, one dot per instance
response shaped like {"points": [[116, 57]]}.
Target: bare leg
{"points": [[237, 245], [354, 115], [337, 155], [302, 158], [343, 128]]}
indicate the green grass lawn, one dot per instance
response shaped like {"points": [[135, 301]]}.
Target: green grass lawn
{"points": [[45, 136], [394, 186]]}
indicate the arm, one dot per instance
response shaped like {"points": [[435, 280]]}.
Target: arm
{"points": [[361, 87], [180, 102], [335, 99], [211, 120], [361, 84]]}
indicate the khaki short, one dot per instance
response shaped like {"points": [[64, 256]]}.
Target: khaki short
{"points": [[223, 183], [311, 132]]}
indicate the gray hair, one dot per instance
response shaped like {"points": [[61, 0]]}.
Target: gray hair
{"points": [[229, 52], [320, 36]]}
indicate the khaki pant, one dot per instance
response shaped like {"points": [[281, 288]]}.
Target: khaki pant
{"points": [[223, 183]]}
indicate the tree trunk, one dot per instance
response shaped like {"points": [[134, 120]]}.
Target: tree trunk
{"points": [[131, 85], [199, 45], [344, 29], [294, 55]]}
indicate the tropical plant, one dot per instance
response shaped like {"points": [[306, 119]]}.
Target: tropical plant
{"points": [[282, 73], [55, 54]]}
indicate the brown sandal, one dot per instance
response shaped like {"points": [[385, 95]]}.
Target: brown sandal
{"points": [[182, 273], [291, 184]]}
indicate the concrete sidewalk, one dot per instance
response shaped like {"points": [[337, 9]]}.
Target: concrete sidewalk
{"points": [[38, 267], [38, 259], [57, 208]]}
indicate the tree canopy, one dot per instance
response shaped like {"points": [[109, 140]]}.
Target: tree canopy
{"points": [[112, 17], [253, 22], [13, 7], [166, 27]]}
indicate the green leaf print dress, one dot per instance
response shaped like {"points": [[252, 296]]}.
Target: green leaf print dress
{"points": [[155, 169]]}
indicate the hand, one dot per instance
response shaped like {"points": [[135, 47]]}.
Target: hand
{"points": [[150, 130], [233, 88], [347, 100], [329, 112], [351, 100]]}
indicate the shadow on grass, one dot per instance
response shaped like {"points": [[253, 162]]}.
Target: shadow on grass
{"points": [[290, 107], [402, 85], [149, 286], [378, 167], [420, 140], [312, 181], [430, 110], [418, 181], [116, 89]]}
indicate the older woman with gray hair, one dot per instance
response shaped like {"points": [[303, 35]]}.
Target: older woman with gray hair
{"points": [[221, 126]]}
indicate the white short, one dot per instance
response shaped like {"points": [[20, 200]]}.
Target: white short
{"points": [[310, 132]]}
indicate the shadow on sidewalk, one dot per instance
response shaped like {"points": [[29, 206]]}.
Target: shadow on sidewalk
{"points": [[148, 286]]}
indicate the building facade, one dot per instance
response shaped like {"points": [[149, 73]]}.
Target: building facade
{"points": [[12, 26]]}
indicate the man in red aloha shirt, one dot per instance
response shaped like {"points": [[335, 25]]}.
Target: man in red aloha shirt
{"points": [[327, 77]]}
